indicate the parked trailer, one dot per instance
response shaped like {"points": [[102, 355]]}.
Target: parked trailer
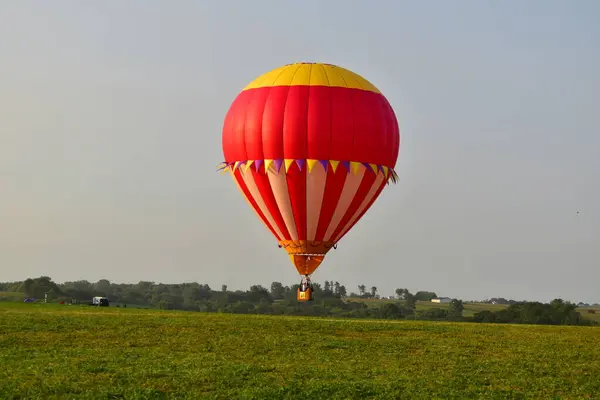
{"points": [[100, 301]]}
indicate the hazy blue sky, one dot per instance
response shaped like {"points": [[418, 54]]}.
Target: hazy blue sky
{"points": [[110, 131]]}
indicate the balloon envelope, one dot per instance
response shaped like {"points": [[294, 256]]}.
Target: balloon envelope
{"points": [[310, 146]]}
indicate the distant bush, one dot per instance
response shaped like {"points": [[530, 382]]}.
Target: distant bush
{"points": [[558, 312], [330, 301], [432, 314]]}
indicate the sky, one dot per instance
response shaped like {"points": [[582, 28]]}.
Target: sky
{"points": [[110, 133]]}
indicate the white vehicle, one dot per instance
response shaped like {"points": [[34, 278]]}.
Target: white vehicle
{"points": [[100, 301]]}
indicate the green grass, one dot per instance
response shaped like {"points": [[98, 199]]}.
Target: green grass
{"points": [[593, 315], [50, 351], [12, 296]]}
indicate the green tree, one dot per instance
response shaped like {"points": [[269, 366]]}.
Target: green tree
{"points": [[41, 286], [277, 290], [411, 301], [373, 291], [104, 287], [390, 311], [425, 296], [362, 290], [258, 293], [455, 308], [433, 314]]}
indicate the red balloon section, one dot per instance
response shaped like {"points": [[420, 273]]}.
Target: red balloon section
{"points": [[311, 146]]}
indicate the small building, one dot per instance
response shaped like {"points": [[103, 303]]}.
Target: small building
{"points": [[441, 300]]}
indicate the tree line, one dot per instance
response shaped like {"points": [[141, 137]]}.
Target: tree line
{"points": [[332, 300]]}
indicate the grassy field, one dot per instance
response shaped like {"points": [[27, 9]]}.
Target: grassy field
{"points": [[12, 296], [50, 351], [592, 313]]}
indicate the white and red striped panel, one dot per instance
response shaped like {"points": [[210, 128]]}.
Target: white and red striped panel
{"points": [[316, 206]]}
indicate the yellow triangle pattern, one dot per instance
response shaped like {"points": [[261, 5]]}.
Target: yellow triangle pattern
{"points": [[268, 164], [354, 166], [288, 162], [334, 164]]}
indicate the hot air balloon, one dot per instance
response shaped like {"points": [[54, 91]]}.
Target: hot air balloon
{"points": [[310, 146]]}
